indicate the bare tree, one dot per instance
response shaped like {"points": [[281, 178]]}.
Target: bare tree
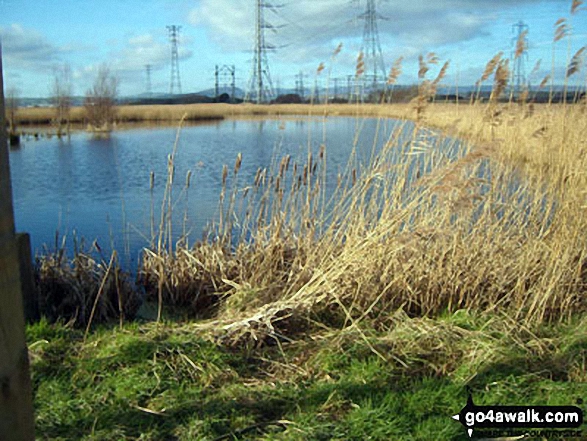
{"points": [[62, 93], [12, 104], [100, 102]]}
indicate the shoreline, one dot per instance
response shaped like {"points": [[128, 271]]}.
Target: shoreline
{"points": [[212, 112]]}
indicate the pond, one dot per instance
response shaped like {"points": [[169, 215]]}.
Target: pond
{"points": [[100, 189]]}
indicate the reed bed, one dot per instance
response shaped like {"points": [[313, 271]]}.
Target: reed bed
{"points": [[496, 228], [86, 288]]}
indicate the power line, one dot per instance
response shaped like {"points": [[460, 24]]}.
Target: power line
{"points": [[174, 40]]}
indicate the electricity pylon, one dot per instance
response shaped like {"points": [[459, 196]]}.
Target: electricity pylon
{"points": [[260, 88], [222, 75], [174, 40], [371, 46], [149, 90]]}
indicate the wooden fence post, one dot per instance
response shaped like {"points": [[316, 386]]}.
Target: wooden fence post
{"points": [[16, 400]]}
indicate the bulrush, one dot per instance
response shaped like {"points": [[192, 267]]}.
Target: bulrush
{"points": [[238, 162]]}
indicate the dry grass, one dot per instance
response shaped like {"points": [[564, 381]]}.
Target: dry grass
{"points": [[451, 240], [496, 226], [499, 228]]}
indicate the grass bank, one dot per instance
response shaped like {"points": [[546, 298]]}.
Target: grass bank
{"points": [[171, 381]]}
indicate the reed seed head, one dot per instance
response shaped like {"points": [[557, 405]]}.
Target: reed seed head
{"points": [[490, 67], [521, 44], [320, 68], [442, 73], [536, 68], [561, 29], [576, 62], [432, 58], [395, 71], [544, 81], [360, 69], [423, 67]]}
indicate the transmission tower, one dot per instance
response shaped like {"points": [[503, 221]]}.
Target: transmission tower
{"points": [[519, 59], [300, 85], [260, 88], [349, 87], [226, 76], [371, 46], [174, 40], [149, 90]]}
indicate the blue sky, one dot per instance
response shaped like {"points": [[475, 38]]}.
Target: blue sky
{"points": [[38, 35]]}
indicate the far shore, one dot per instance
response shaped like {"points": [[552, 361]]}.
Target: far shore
{"points": [[44, 116]]}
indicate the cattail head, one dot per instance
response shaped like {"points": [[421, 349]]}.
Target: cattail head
{"points": [[170, 168], [322, 151], [188, 178], [258, 177], [152, 180], [224, 174], [237, 164], [576, 62], [337, 50], [283, 165], [561, 29]]}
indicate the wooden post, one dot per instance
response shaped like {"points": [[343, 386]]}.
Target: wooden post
{"points": [[16, 400]]}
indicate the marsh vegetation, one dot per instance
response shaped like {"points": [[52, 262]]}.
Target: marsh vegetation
{"points": [[347, 309]]}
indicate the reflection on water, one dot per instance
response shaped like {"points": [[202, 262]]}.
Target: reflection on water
{"points": [[100, 188]]}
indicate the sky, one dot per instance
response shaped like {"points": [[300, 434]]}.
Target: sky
{"points": [[39, 36]]}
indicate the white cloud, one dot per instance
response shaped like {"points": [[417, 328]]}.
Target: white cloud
{"points": [[314, 27], [28, 49]]}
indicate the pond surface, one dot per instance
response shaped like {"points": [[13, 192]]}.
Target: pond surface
{"points": [[100, 188]]}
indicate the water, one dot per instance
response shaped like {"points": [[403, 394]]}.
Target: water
{"points": [[100, 188]]}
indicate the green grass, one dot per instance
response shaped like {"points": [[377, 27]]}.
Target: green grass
{"points": [[167, 382]]}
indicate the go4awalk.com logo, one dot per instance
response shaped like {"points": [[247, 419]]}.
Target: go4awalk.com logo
{"points": [[518, 417]]}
